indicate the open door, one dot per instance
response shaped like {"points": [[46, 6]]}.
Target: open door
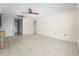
{"points": [[18, 26]]}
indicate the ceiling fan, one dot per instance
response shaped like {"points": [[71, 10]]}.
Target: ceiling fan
{"points": [[30, 11]]}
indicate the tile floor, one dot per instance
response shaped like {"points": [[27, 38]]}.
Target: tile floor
{"points": [[37, 45]]}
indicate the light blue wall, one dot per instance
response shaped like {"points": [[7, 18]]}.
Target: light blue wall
{"points": [[8, 25]]}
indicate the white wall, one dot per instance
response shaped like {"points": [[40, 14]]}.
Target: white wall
{"points": [[58, 24]]}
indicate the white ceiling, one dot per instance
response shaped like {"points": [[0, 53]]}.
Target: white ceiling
{"points": [[42, 8]]}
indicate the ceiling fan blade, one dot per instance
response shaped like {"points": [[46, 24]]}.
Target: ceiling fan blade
{"points": [[35, 13]]}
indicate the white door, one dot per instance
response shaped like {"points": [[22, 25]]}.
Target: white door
{"points": [[27, 26]]}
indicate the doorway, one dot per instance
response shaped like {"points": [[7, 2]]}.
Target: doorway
{"points": [[18, 26]]}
